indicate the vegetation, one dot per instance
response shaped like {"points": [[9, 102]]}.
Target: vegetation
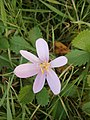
{"points": [[65, 25]]}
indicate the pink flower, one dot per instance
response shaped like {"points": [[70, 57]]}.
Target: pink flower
{"points": [[42, 67]]}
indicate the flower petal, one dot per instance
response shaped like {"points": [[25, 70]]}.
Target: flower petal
{"points": [[26, 70], [42, 49], [58, 62], [53, 82], [39, 82], [29, 56]]}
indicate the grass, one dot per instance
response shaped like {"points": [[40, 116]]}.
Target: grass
{"points": [[56, 21]]}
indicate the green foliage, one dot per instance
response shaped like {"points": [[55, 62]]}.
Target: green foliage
{"points": [[34, 34], [4, 44], [58, 111], [69, 90], [86, 107], [54, 9], [53, 1], [78, 57], [88, 1], [3, 12], [82, 41], [4, 61], [9, 114], [1, 28], [21, 23], [42, 97], [88, 80], [18, 43], [26, 94]]}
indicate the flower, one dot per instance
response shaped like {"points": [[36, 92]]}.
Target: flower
{"points": [[42, 67]]}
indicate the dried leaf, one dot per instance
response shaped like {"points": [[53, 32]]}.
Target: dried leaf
{"points": [[60, 48]]}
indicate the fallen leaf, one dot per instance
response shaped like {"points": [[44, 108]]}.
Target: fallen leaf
{"points": [[60, 48]]}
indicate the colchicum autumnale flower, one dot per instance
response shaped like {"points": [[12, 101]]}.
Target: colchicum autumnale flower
{"points": [[42, 67]]}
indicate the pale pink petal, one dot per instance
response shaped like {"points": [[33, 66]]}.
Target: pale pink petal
{"points": [[39, 82], [53, 82], [58, 62], [42, 49], [29, 56], [26, 70]]}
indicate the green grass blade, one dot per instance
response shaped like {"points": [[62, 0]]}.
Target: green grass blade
{"points": [[64, 106], [35, 10], [3, 99], [3, 12], [9, 114], [54, 9]]}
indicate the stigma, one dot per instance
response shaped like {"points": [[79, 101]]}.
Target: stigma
{"points": [[44, 67]]}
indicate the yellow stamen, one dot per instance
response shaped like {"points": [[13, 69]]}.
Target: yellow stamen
{"points": [[44, 66]]}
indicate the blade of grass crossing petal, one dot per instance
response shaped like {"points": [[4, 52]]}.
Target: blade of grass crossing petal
{"points": [[54, 9]]}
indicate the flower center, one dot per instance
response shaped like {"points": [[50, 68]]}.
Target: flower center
{"points": [[44, 66]]}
